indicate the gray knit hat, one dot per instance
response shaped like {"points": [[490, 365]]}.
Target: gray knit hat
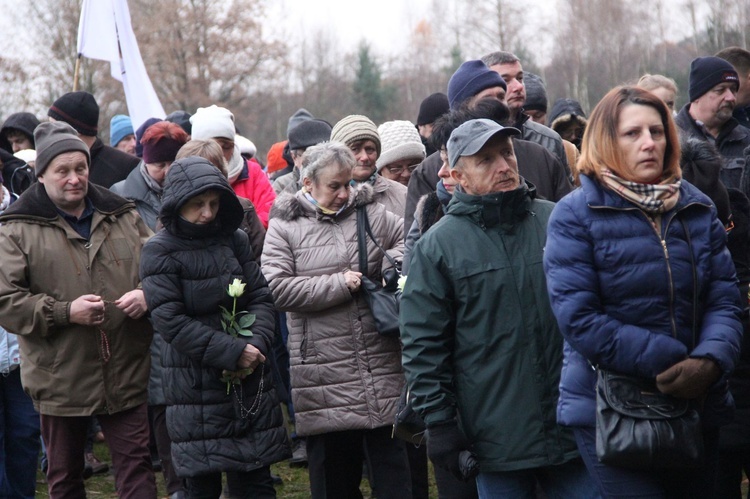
{"points": [[53, 138], [536, 95], [301, 115], [308, 133], [400, 141], [353, 128]]}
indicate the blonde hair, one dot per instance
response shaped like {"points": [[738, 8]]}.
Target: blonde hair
{"points": [[652, 82], [206, 149], [599, 147]]}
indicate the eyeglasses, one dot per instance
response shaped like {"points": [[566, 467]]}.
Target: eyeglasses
{"points": [[398, 170]]}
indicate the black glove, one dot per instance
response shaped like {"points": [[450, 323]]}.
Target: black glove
{"points": [[689, 379], [444, 444]]}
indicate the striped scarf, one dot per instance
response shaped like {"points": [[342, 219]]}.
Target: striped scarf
{"points": [[651, 198]]}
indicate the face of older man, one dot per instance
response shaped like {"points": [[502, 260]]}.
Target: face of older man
{"points": [[492, 169], [66, 181], [715, 107]]}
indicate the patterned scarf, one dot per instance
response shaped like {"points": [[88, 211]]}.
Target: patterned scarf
{"points": [[651, 198], [314, 202]]}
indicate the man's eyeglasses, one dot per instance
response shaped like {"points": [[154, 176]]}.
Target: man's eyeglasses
{"points": [[398, 170]]}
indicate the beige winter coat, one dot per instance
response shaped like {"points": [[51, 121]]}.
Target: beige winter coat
{"points": [[390, 194], [345, 376]]}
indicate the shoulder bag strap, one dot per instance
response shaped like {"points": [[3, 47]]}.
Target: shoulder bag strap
{"points": [[366, 222], [362, 226]]}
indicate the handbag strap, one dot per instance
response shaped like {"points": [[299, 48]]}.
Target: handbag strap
{"points": [[695, 283], [362, 239], [363, 221]]}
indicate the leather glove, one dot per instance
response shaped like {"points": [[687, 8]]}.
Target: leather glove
{"points": [[444, 444], [689, 379]]}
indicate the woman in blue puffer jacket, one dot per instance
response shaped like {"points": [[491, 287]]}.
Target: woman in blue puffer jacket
{"points": [[621, 255]]}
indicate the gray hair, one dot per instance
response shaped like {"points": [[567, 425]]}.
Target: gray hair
{"points": [[321, 156], [499, 57]]}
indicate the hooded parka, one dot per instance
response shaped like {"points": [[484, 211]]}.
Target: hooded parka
{"points": [[186, 270], [345, 376]]}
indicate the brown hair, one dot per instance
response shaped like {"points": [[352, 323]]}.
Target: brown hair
{"points": [[599, 148], [207, 149]]}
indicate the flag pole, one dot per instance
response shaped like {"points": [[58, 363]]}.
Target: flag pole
{"points": [[75, 73]]}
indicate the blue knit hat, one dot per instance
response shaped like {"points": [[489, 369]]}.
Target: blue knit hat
{"points": [[469, 79], [120, 126], [707, 72]]}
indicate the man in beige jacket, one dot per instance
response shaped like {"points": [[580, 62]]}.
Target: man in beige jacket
{"points": [[69, 288]]}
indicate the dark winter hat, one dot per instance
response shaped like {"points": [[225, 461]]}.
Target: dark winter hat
{"points": [[536, 94], [79, 110], [53, 139], [707, 72], [298, 117], [432, 108], [308, 133], [470, 137], [23, 122], [182, 118], [353, 128], [139, 135], [469, 79]]}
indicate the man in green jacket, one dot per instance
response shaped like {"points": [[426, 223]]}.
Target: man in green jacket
{"points": [[481, 349]]}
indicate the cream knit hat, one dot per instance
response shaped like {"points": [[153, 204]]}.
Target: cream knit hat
{"points": [[353, 128], [400, 140], [212, 122]]}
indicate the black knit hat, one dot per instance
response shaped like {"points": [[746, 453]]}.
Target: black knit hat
{"points": [[469, 79], [53, 139], [707, 72], [79, 110], [536, 95], [432, 108], [308, 133], [182, 118]]}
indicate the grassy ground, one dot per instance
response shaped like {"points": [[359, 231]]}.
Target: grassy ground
{"points": [[296, 483]]}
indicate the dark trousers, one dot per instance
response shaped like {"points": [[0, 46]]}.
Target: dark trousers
{"points": [[243, 484], [164, 448], [420, 488], [682, 483], [729, 473], [450, 487], [19, 439], [335, 464], [126, 434]]}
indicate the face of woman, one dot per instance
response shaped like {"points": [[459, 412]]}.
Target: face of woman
{"points": [[201, 209], [643, 141], [331, 191], [445, 172], [158, 171], [667, 95]]}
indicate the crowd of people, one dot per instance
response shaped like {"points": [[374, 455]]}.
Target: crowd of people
{"points": [[208, 314]]}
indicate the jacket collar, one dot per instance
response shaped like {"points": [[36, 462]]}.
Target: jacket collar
{"points": [[729, 131], [502, 209], [291, 206], [35, 203]]}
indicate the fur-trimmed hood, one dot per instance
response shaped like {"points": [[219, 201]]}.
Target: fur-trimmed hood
{"points": [[291, 206], [565, 110]]}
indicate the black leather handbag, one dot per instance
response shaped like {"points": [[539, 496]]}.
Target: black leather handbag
{"points": [[639, 427], [383, 300]]}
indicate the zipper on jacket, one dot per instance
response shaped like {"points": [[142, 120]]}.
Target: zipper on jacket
{"points": [[663, 242]]}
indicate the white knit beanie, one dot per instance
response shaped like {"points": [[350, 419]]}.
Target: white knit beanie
{"points": [[212, 122], [400, 140]]}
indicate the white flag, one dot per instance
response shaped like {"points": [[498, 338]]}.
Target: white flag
{"points": [[105, 32]]}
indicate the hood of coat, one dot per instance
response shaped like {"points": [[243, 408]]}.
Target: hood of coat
{"points": [[701, 165], [189, 177], [497, 209], [291, 206], [25, 122], [565, 110]]}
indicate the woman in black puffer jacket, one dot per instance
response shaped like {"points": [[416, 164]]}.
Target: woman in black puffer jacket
{"points": [[186, 270]]}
